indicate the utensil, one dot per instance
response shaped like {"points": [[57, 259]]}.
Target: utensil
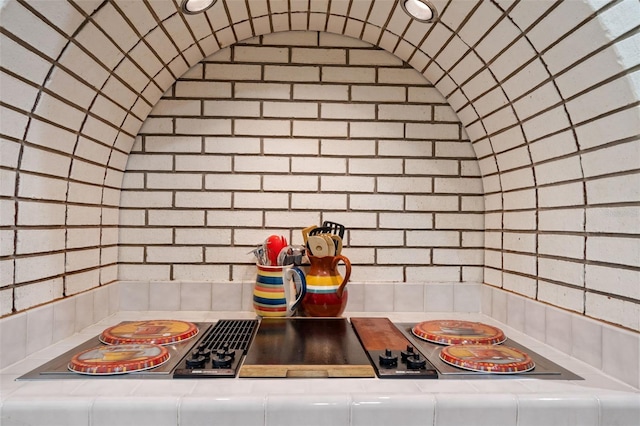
{"points": [[272, 247], [306, 231], [334, 228], [319, 246]]}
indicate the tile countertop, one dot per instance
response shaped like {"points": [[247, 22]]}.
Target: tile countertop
{"points": [[597, 400]]}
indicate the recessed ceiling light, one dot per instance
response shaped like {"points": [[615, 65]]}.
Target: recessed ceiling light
{"points": [[420, 10], [196, 6]]}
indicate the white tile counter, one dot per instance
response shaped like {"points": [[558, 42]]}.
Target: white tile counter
{"points": [[597, 400]]}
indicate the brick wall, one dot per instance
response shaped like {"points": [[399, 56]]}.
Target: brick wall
{"points": [[284, 131]]}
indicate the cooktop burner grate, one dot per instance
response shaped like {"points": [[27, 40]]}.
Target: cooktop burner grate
{"points": [[235, 334], [219, 352]]}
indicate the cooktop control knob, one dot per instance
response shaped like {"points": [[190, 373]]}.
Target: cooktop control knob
{"points": [[205, 353], [406, 354], [388, 359], [221, 360], [196, 360], [224, 352], [415, 362]]}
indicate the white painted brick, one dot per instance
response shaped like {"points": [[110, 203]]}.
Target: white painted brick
{"points": [[133, 181], [157, 125], [522, 178], [232, 182], [172, 144], [265, 200], [83, 215], [131, 254], [431, 167], [335, 74], [373, 129], [546, 123], [404, 112], [329, 92], [318, 56], [231, 145], [290, 109], [174, 254], [625, 251], [454, 149], [470, 168], [200, 199], [198, 126], [406, 220], [261, 164], [145, 199], [433, 273], [377, 238], [176, 217], [82, 259], [613, 280], [561, 245], [38, 160], [38, 240], [174, 181], [320, 129], [38, 213], [204, 163], [311, 201], [426, 95], [458, 185], [612, 127], [6, 279], [523, 199], [38, 267], [432, 202], [149, 162], [378, 93], [520, 242], [376, 202], [612, 310], [347, 183], [560, 270], [232, 108], [397, 256], [403, 148], [174, 107], [519, 263], [444, 256], [401, 76], [291, 146], [614, 189], [350, 148], [318, 165], [519, 284], [260, 127], [220, 71], [262, 90], [433, 238], [472, 203], [493, 259], [238, 218], [145, 236], [372, 57], [87, 237], [404, 184], [291, 73], [289, 220], [143, 273], [564, 297], [561, 220], [261, 54], [612, 159], [520, 220], [558, 171], [473, 239], [459, 221], [613, 220], [432, 131], [38, 187], [290, 183], [348, 111], [8, 182], [200, 272], [562, 195], [37, 293], [378, 166]]}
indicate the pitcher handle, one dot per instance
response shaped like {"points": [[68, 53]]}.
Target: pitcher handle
{"points": [[347, 272], [300, 283]]}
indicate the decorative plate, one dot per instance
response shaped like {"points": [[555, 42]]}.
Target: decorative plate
{"points": [[487, 358], [118, 359], [454, 332], [157, 332]]}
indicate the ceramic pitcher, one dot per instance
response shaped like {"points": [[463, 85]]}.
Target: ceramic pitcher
{"points": [[326, 288], [273, 292]]}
